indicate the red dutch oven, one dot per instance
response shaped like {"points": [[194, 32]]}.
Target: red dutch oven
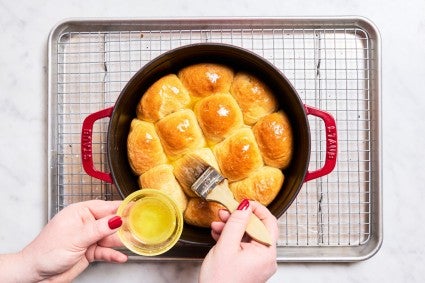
{"points": [[120, 173]]}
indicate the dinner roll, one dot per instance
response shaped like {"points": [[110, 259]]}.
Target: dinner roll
{"points": [[262, 185], [238, 155], [181, 172], [144, 147], [274, 137], [162, 178], [202, 213], [165, 96], [218, 115], [206, 78], [180, 133], [253, 96]]}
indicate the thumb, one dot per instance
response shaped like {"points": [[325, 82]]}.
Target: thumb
{"points": [[235, 227], [95, 231]]}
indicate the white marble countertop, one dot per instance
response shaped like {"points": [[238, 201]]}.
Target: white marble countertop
{"points": [[25, 26]]}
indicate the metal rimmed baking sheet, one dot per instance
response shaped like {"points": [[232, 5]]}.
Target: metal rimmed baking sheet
{"points": [[334, 63]]}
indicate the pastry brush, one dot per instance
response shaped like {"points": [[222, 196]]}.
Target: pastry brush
{"points": [[210, 185]]}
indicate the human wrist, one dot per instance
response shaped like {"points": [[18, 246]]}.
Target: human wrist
{"points": [[14, 267], [28, 265]]}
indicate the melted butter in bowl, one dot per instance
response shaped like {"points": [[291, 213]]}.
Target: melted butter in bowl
{"points": [[152, 222]]}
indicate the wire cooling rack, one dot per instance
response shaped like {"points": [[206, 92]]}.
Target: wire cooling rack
{"points": [[333, 63]]}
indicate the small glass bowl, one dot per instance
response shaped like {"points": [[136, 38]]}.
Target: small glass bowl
{"points": [[152, 222]]}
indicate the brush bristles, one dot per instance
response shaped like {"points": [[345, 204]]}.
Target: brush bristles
{"points": [[207, 182], [191, 168]]}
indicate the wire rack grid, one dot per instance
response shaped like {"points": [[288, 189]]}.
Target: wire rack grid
{"points": [[331, 67]]}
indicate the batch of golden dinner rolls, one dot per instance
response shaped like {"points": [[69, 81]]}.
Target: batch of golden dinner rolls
{"points": [[229, 119]]}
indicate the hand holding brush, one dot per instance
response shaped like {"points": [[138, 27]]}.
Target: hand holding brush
{"points": [[207, 183], [236, 257]]}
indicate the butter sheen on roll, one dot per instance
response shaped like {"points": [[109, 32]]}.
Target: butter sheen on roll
{"points": [[202, 213], [263, 185], [274, 137], [162, 178], [144, 147], [253, 96], [218, 115], [238, 155], [180, 133], [204, 79], [165, 96]]}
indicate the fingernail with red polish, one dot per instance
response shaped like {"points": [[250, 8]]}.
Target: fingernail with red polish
{"points": [[115, 222], [244, 204]]}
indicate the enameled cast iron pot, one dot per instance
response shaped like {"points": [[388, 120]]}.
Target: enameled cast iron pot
{"points": [[239, 59]]}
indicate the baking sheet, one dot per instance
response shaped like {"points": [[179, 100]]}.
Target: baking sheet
{"points": [[334, 63]]}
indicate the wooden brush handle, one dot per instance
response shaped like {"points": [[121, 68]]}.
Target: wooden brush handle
{"points": [[255, 229]]}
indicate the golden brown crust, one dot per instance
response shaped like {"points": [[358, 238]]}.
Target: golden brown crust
{"points": [[253, 96], [165, 96], [202, 213], [180, 133], [238, 155], [206, 78], [262, 185], [144, 148], [218, 115], [161, 178], [275, 139]]}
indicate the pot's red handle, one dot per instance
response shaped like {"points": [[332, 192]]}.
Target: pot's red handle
{"points": [[331, 143], [87, 147]]}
